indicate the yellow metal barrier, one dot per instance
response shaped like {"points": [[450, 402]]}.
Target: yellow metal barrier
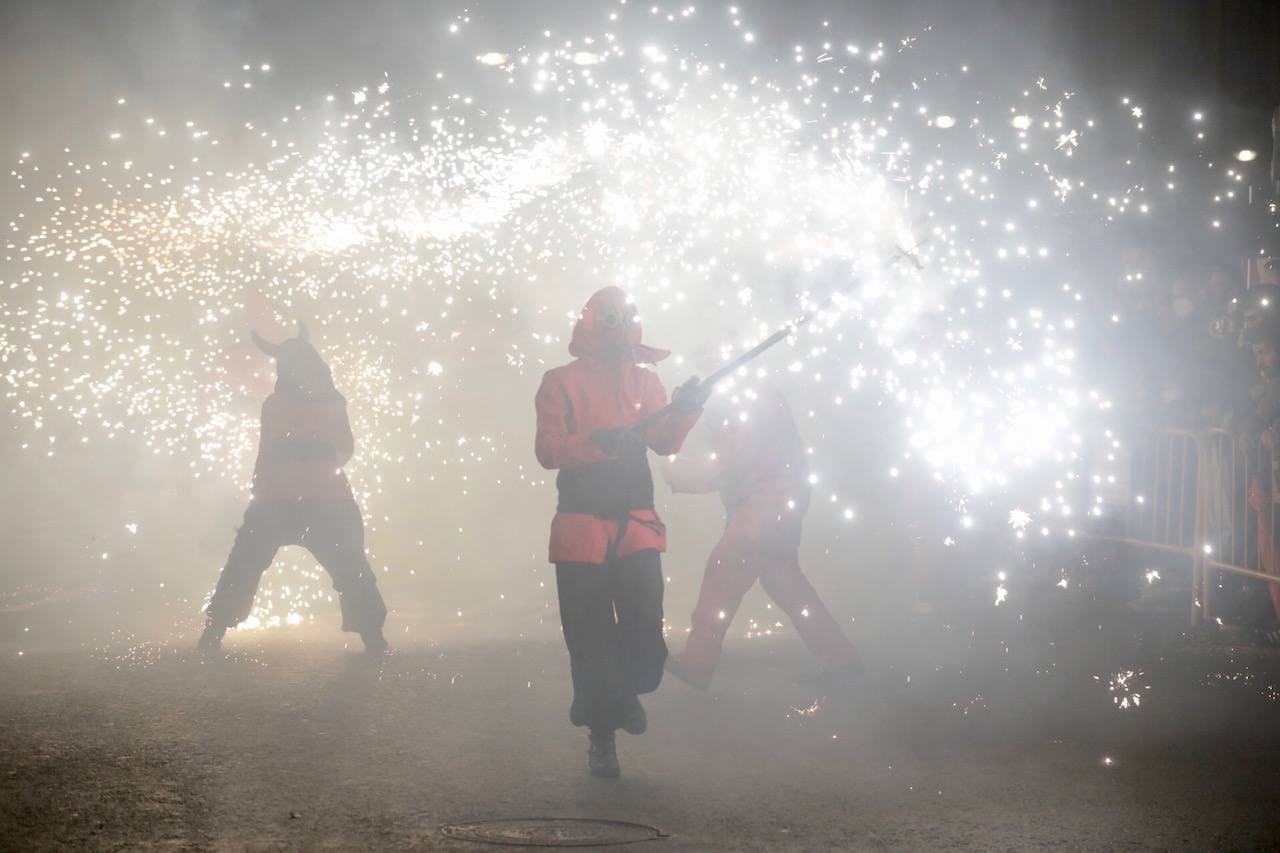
{"points": [[1241, 537], [1210, 497], [1162, 501]]}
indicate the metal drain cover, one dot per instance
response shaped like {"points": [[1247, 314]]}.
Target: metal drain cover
{"points": [[552, 831]]}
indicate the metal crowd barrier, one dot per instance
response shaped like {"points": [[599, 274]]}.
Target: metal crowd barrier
{"points": [[1208, 497], [1159, 500], [1240, 499]]}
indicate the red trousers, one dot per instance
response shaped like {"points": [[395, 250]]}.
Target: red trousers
{"points": [[761, 542]]}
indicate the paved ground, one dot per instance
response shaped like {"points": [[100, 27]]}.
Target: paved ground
{"points": [[960, 741]]}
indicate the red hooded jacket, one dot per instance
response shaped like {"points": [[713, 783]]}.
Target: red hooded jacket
{"points": [[590, 394]]}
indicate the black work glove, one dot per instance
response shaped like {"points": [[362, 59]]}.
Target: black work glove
{"points": [[691, 396], [617, 441]]}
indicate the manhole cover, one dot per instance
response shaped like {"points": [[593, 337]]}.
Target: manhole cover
{"points": [[552, 831]]}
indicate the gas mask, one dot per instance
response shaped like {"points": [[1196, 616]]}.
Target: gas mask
{"points": [[614, 325]]}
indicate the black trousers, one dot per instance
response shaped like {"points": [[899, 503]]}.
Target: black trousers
{"points": [[332, 530], [612, 619]]}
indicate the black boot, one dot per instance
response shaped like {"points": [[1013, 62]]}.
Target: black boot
{"points": [[211, 639], [632, 717], [602, 756]]}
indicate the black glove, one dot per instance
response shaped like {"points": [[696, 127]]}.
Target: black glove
{"points": [[691, 396], [617, 441]]}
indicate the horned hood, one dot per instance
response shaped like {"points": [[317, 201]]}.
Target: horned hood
{"points": [[300, 369]]}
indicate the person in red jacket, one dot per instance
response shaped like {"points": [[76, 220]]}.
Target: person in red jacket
{"points": [[760, 468], [606, 536], [301, 497]]}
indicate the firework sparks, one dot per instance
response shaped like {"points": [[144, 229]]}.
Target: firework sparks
{"points": [[416, 229], [1124, 689]]}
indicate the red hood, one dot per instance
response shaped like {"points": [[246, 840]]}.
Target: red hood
{"points": [[586, 339]]}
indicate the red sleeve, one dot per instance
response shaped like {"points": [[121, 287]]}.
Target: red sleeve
{"points": [[555, 446], [344, 443], [667, 435]]}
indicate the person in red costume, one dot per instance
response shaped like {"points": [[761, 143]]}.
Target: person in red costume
{"points": [[760, 468], [606, 537], [301, 497]]}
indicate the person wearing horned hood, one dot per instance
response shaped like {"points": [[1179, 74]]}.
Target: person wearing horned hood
{"points": [[606, 537], [301, 497]]}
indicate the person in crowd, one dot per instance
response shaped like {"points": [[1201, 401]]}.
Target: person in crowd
{"points": [[1261, 609], [1228, 367], [301, 497], [1262, 337], [606, 537], [759, 467]]}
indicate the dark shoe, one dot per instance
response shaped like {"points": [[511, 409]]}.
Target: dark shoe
{"points": [[602, 756], [374, 642], [632, 718], [681, 670], [211, 639]]}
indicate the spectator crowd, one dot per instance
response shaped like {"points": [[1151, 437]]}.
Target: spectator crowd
{"points": [[1200, 349]]}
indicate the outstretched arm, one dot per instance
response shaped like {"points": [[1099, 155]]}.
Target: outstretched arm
{"points": [[665, 437], [693, 476]]}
